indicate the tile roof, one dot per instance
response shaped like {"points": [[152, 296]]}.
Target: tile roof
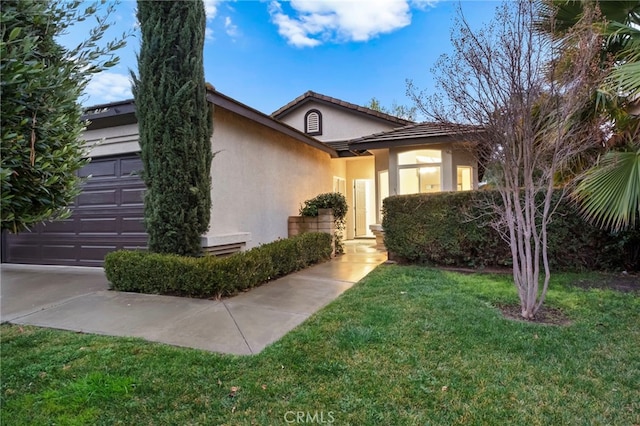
{"points": [[424, 130], [123, 112], [339, 145], [342, 148], [239, 108], [309, 96]]}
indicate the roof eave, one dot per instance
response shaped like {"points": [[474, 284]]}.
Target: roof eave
{"points": [[401, 142], [109, 115], [243, 110], [322, 99], [123, 112]]}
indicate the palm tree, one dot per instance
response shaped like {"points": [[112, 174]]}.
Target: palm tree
{"points": [[608, 192]]}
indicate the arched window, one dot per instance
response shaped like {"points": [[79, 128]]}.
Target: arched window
{"points": [[313, 122]]}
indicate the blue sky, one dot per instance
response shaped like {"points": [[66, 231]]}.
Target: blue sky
{"points": [[267, 53]]}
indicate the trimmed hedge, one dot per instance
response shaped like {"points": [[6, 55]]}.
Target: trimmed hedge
{"points": [[453, 229], [213, 277]]}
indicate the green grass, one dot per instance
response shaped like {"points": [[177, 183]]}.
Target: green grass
{"points": [[405, 346]]}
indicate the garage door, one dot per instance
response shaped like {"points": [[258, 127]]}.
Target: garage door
{"points": [[106, 216]]}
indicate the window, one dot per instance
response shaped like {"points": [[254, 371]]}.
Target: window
{"points": [[340, 185], [313, 122], [464, 178], [420, 156], [420, 171], [418, 180]]}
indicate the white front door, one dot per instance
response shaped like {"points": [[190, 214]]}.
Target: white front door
{"points": [[363, 207]]}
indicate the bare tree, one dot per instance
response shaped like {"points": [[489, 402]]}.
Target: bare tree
{"points": [[397, 110], [510, 79]]}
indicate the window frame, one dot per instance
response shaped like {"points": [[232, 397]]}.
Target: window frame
{"points": [[459, 184], [417, 166]]}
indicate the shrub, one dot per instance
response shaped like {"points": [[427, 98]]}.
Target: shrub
{"points": [[212, 277], [338, 204], [454, 229]]}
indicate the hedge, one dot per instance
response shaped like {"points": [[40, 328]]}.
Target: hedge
{"points": [[213, 277], [453, 229]]}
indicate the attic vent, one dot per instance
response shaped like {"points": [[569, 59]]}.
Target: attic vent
{"points": [[313, 122]]}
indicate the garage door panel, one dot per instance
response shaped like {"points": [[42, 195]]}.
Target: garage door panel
{"points": [[96, 253], [107, 216], [132, 196], [104, 197], [99, 225], [25, 251], [71, 251], [132, 225], [64, 253], [108, 211], [130, 167], [64, 226], [100, 169]]}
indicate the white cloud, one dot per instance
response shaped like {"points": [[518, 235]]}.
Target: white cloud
{"points": [[211, 8], [318, 21], [230, 27], [291, 29], [108, 87], [423, 4]]}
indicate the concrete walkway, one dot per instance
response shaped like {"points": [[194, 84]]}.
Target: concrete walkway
{"points": [[78, 299]]}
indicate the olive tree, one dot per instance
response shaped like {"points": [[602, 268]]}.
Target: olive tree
{"points": [[39, 99]]}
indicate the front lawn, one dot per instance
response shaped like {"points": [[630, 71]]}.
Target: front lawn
{"points": [[405, 346]]}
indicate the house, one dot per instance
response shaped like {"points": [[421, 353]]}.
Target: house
{"points": [[381, 155], [266, 166]]}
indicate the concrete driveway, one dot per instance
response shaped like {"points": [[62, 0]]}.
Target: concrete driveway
{"points": [[78, 299]]}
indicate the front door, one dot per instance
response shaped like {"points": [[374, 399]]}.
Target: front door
{"points": [[363, 207]]}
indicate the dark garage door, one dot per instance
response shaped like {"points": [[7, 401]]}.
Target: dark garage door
{"points": [[106, 216]]}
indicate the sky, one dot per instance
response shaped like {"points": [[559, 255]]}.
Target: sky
{"points": [[266, 53]]}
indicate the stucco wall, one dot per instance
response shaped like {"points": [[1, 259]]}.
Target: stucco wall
{"points": [[260, 178], [339, 167], [337, 124]]}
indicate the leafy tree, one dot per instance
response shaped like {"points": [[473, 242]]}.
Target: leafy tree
{"points": [[41, 126], [175, 125], [401, 111], [498, 79]]}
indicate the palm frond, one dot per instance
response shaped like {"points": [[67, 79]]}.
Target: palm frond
{"points": [[626, 78], [609, 195]]}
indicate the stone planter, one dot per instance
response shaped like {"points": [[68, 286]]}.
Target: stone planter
{"points": [[378, 232], [322, 223]]}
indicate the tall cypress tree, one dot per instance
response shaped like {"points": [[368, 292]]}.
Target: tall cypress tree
{"points": [[175, 123]]}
